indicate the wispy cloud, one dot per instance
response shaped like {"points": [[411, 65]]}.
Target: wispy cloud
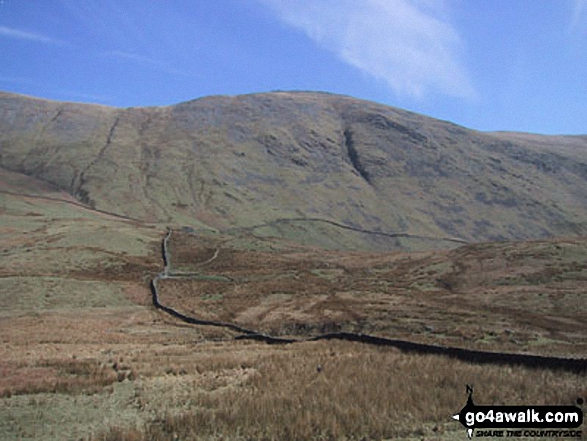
{"points": [[579, 16], [84, 97], [19, 34], [409, 44], [147, 61], [19, 80]]}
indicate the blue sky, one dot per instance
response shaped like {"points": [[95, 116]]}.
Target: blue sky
{"points": [[486, 64]]}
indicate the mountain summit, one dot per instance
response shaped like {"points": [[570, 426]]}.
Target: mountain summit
{"points": [[331, 170]]}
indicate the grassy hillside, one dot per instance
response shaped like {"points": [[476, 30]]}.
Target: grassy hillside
{"points": [[58, 255], [270, 161], [292, 214], [85, 356]]}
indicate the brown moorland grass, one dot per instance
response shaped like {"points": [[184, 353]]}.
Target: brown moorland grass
{"points": [[187, 386], [515, 297], [127, 371], [241, 390], [57, 376], [348, 391]]}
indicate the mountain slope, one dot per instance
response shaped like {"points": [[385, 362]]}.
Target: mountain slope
{"points": [[283, 163]]}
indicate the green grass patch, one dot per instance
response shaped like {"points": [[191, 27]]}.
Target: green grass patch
{"points": [[35, 294], [212, 297], [211, 277]]}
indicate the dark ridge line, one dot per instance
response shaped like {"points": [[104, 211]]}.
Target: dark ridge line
{"points": [[575, 365], [359, 230], [194, 321], [187, 319], [353, 156], [76, 204], [102, 150], [164, 252], [110, 135], [277, 221], [166, 274], [80, 192]]}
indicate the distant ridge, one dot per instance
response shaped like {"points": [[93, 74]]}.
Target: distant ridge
{"points": [[259, 160]]}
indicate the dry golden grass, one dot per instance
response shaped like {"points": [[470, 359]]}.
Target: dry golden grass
{"points": [[59, 376], [346, 391], [187, 386], [133, 373], [120, 434]]}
